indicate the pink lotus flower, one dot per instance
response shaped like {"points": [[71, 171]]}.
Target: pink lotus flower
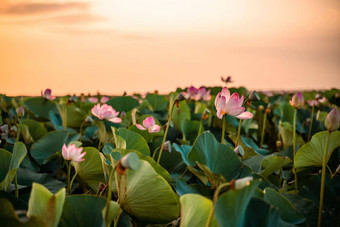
{"points": [[106, 112], [297, 100], [231, 105], [48, 94], [73, 153], [93, 99], [150, 125], [312, 102], [197, 94], [104, 99]]}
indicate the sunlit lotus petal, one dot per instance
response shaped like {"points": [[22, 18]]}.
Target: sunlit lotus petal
{"points": [[73, 153], [230, 105], [150, 125], [106, 112]]}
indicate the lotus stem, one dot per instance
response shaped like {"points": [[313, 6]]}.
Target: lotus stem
{"points": [[294, 150], [200, 128], [109, 196], [323, 176], [166, 132], [238, 133], [217, 192], [16, 178], [74, 177], [117, 218], [154, 153], [65, 117], [16, 186], [263, 128], [68, 176], [311, 124], [223, 128], [19, 130]]}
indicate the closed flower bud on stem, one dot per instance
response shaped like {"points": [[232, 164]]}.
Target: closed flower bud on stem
{"points": [[297, 100], [241, 183], [254, 96], [20, 112], [332, 121]]}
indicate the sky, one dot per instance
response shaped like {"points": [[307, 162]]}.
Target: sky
{"points": [[117, 46]]}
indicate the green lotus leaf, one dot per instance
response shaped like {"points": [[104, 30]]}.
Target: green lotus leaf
{"points": [[8, 216], [134, 141], [85, 210], [231, 207], [273, 163], [90, 171], [147, 196], [218, 157], [311, 154], [50, 144], [46, 206], [195, 210], [287, 210]]}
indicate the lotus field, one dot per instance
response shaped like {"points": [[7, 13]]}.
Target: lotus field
{"points": [[195, 157]]}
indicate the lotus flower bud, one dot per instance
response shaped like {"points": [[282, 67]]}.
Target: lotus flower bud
{"points": [[180, 97], [254, 96], [20, 112], [317, 115], [278, 143], [332, 121], [239, 150], [261, 107], [243, 182], [167, 146], [4, 131], [297, 100], [130, 161]]}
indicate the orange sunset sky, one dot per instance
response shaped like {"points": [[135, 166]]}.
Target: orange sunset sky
{"points": [[114, 46]]}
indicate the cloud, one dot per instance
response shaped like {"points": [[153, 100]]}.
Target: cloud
{"points": [[39, 8], [78, 18]]}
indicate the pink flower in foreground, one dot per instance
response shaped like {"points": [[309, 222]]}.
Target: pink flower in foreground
{"points": [[231, 105], [150, 125], [106, 112], [48, 94], [73, 153], [297, 100]]}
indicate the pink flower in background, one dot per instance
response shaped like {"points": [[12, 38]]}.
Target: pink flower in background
{"points": [[93, 99], [197, 94], [106, 112], [312, 102], [150, 125], [297, 100], [104, 99], [203, 94], [231, 105], [73, 153], [47, 94]]}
